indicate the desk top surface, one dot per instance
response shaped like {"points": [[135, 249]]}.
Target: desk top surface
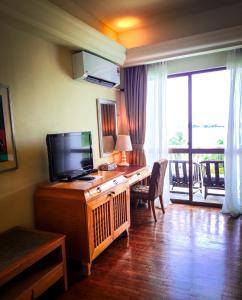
{"points": [[102, 178], [131, 169]]}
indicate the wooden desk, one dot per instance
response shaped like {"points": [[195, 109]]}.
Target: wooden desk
{"points": [[91, 214], [30, 262], [134, 173]]}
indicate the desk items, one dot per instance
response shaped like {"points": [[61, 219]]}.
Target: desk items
{"points": [[108, 167]]}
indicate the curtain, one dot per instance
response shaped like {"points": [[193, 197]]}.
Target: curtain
{"points": [[156, 142], [233, 149], [135, 84], [108, 119]]}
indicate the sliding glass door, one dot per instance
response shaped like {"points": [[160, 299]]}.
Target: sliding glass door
{"points": [[197, 114], [178, 135]]}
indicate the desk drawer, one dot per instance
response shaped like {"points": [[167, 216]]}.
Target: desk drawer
{"points": [[103, 188], [139, 175]]}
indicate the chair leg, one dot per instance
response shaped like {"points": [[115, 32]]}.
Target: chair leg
{"points": [[149, 206], [136, 203], [206, 192], [161, 203], [153, 209]]}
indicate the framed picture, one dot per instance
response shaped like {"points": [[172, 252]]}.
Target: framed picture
{"points": [[8, 157]]}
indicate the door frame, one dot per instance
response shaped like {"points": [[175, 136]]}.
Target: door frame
{"points": [[190, 151]]}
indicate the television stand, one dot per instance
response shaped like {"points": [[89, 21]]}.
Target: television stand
{"points": [[92, 214]]}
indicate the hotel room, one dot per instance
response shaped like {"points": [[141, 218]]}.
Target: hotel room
{"points": [[172, 102]]}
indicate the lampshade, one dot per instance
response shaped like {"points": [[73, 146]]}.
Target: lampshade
{"points": [[123, 143], [108, 143]]}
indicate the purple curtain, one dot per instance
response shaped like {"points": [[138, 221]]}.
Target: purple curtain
{"points": [[135, 86]]}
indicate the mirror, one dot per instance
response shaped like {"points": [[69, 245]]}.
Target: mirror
{"points": [[107, 126]]}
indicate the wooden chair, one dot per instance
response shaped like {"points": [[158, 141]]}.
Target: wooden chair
{"points": [[213, 176], [154, 189], [179, 170]]}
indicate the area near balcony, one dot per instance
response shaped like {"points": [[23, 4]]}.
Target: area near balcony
{"points": [[197, 119]]}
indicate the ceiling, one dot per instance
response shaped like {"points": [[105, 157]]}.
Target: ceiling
{"points": [[166, 28], [146, 12], [136, 23]]}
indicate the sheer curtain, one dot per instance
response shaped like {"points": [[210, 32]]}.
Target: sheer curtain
{"points": [[233, 150], [156, 143]]}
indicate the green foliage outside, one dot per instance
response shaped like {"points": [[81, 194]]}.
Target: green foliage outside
{"points": [[178, 139]]}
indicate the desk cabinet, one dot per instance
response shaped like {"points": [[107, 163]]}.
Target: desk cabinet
{"points": [[91, 215], [109, 216]]}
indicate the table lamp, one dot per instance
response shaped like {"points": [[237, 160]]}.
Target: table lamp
{"points": [[123, 144]]}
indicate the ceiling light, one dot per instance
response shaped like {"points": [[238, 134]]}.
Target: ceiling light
{"points": [[127, 22]]}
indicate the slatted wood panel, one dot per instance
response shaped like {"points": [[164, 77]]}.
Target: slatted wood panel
{"points": [[120, 209], [101, 223]]}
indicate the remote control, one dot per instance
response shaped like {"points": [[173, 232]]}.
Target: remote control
{"points": [[87, 178]]}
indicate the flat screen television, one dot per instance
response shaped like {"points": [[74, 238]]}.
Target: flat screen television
{"points": [[70, 155]]}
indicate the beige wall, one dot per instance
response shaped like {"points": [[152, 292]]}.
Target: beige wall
{"points": [[45, 99]]}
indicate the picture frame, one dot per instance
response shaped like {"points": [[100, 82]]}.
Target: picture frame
{"points": [[8, 155], [107, 126]]}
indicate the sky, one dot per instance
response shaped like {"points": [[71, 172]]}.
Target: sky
{"points": [[210, 94]]}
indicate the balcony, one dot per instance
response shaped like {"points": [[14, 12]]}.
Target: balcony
{"points": [[206, 172]]}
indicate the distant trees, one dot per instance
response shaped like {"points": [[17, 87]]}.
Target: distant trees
{"points": [[178, 139]]}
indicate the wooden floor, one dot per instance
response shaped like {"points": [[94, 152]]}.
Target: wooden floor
{"points": [[190, 253], [183, 194]]}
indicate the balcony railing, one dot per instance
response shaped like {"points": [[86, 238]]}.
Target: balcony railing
{"points": [[206, 172]]}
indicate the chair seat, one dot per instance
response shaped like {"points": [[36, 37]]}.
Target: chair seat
{"points": [[180, 180], [139, 188], [213, 182], [140, 191]]}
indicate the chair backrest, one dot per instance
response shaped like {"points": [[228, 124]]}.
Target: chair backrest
{"points": [[157, 179], [213, 173]]}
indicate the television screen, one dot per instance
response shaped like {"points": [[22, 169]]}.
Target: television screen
{"points": [[70, 155]]}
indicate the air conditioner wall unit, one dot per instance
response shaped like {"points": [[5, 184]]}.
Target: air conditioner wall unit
{"points": [[92, 68]]}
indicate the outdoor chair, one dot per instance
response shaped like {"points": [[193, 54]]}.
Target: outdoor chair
{"points": [[154, 189], [179, 175], [212, 176]]}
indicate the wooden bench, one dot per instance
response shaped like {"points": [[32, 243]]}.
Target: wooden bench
{"points": [[30, 262]]}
